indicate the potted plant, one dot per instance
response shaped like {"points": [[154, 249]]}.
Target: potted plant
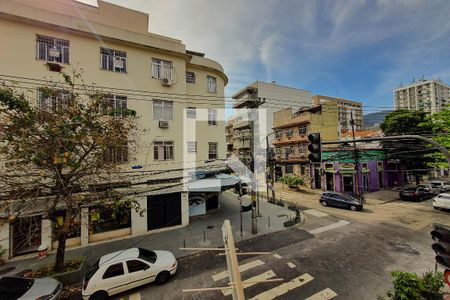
{"points": [[292, 181]]}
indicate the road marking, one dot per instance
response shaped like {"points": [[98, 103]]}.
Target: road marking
{"points": [[284, 288], [291, 265], [251, 281], [325, 294], [242, 268], [277, 256], [329, 227], [316, 213], [135, 296]]}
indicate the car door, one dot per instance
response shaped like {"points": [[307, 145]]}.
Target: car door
{"points": [[330, 199], [139, 273], [338, 200], [114, 280]]}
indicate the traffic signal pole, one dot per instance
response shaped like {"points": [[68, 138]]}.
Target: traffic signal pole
{"points": [[441, 247], [355, 157]]}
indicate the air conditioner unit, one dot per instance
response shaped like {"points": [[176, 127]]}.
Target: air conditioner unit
{"points": [[166, 81], [163, 124]]}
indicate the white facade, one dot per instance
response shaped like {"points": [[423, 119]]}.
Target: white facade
{"points": [[427, 95]]}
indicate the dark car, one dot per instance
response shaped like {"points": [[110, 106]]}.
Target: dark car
{"points": [[415, 194], [30, 288], [340, 200]]}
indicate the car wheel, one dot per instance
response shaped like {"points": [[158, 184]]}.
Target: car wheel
{"points": [[324, 203], [100, 295], [162, 277], [353, 207]]}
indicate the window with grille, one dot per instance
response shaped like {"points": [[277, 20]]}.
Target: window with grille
{"points": [[289, 132], [54, 101], [191, 112], [302, 148], [278, 134], [117, 104], [212, 84], [190, 77], [163, 150], [162, 68], [212, 152], [212, 116], [290, 169], [52, 49], [113, 60], [117, 154], [162, 110], [192, 147], [302, 129]]}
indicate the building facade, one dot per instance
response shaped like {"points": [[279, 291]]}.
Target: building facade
{"points": [[426, 95], [346, 108], [273, 97], [154, 75], [291, 139]]}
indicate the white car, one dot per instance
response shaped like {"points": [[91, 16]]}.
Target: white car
{"points": [[442, 201], [442, 185], [123, 270]]}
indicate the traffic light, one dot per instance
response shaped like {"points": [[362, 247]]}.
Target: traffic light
{"points": [[441, 236], [314, 147]]}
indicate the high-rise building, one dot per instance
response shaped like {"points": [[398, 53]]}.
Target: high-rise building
{"points": [[426, 95]]}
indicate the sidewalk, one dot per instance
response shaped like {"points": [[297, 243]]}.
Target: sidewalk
{"points": [[203, 231]]}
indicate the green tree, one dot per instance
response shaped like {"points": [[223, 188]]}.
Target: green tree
{"points": [[57, 146], [405, 121], [439, 123]]}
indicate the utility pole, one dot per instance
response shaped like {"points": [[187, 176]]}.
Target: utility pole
{"points": [[272, 175], [355, 156]]}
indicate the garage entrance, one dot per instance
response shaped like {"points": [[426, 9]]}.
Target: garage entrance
{"points": [[163, 211]]}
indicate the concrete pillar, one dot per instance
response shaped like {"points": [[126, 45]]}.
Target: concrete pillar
{"points": [[138, 222], [84, 224], [46, 233], [185, 208], [5, 239]]}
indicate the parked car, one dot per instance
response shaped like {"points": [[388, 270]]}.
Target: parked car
{"points": [[12, 288], [340, 200], [415, 194], [430, 188], [442, 201], [442, 185], [123, 270]]}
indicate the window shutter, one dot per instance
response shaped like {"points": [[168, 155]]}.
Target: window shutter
{"points": [[65, 55]]}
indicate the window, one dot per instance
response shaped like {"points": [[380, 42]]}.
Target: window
{"points": [[290, 169], [53, 101], [136, 266], [302, 169], [113, 60], [117, 154], [162, 110], [302, 148], [212, 116], [212, 152], [279, 134], [113, 271], [212, 84], [161, 68], [191, 112], [190, 77], [302, 129], [163, 150], [117, 104], [289, 132], [192, 147], [52, 49]]}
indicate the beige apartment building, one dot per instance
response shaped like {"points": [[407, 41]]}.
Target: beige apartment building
{"points": [[291, 139], [426, 95], [177, 93], [345, 110]]}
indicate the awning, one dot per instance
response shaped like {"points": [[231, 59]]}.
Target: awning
{"points": [[215, 183]]}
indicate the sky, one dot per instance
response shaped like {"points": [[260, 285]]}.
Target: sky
{"points": [[355, 49]]}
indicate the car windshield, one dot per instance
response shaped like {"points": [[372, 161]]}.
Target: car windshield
{"points": [[435, 184], [91, 271], [14, 287], [147, 255]]}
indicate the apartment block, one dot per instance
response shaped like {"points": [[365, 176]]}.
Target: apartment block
{"points": [[152, 74], [426, 95], [291, 139], [346, 108]]}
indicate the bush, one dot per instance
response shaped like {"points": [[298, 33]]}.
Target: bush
{"points": [[410, 286], [292, 181]]}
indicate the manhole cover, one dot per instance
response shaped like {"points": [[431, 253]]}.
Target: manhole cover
{"points": [[210, 227]]}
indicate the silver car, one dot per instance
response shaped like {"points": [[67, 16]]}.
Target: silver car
{"points": [[13, 288]]}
